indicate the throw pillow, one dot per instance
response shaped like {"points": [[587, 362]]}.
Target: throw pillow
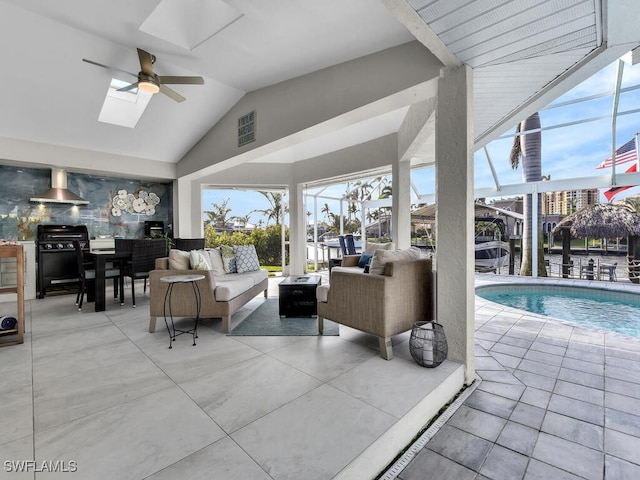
{"points": [[364, 259], [378, 261], [382, 257], [371, 247], [198, 260], [228, 259], [246, 258], [179, 260], [217, 267]]}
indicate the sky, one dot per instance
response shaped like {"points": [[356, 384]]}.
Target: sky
{"points": [[567, 152]]}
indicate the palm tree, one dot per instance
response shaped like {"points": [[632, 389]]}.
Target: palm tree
{"points": [[275, 211], [633, 203], [325, 210], [528, 147], [218, 215]]}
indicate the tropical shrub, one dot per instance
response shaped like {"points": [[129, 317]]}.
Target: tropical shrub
{"points": [[268, 242]]}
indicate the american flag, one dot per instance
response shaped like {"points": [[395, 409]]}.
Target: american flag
{"points": [[613, 191], [625, 154]]}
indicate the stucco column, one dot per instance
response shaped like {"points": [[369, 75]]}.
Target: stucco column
{"points": [[401, 203], [455, 222], [297, 230], [187, 209]]}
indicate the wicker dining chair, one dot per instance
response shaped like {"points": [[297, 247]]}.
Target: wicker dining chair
{"points": [[143, 260]]}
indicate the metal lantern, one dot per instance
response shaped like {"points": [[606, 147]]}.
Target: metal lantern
{"points": [[428, 344]]}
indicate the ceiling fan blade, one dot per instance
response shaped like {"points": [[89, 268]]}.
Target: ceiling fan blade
{"points": [[109, 68], [182, 80], [128, 87], [146, 62], [171, 93]]}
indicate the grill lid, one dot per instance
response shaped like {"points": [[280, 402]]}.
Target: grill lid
{"points": [[48, 232], [58, 193]]}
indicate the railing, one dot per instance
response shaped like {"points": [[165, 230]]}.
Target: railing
{"points": [[588, 270]]}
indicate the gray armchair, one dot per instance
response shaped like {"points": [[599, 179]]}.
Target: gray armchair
{"points": [[382, 305]]}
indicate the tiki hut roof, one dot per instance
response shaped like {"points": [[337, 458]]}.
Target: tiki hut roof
{"points": [[602, 220]]}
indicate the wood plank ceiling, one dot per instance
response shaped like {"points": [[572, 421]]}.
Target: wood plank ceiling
{"points": [[516, 48]]}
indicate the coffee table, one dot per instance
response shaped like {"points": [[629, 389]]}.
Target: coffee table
{"points": [[298, 295]]}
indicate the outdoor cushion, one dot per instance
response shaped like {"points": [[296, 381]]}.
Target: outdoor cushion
{"points": [[257, 276], [228, 289], [215, 257], [199, 260], [179, 260], [382, 257], [228, 259], [246, 258], [322, 293], [371, 247]]}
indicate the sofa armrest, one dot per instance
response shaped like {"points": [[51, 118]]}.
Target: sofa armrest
{"points": [[162, 263]]}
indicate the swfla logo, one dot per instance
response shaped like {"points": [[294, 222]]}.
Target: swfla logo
{"points": [[60, 466]]}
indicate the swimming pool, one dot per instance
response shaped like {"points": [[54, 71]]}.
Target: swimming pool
{"points": [[607, 309]]}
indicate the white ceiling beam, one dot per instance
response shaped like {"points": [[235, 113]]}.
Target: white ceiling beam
{"points": [[406, 15], [564, 184]]}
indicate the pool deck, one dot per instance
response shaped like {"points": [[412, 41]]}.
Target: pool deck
{"points": [[557, 400]]}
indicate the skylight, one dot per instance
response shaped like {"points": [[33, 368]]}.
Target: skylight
{"points": [[123, 108], [189, 23]]}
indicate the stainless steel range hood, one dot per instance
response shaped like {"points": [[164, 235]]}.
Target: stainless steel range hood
{"points": [[58, 193]]}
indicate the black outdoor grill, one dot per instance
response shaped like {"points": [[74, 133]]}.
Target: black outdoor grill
{"points": [[57, 264]]}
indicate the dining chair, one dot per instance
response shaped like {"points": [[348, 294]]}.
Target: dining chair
{"points": [[351, 244], [343, 244], [143, 260], [86, 274]]}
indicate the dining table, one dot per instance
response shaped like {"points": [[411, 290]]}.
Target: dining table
{"points": [[101, 257]]}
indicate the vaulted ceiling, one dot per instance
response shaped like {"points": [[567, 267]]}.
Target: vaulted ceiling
{"points": [[524, 53]]}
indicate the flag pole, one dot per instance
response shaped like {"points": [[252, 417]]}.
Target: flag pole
{"points": [[614, 117], [637, 153]]}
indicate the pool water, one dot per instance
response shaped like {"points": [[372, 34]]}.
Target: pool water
{"points": [[615, 311]]}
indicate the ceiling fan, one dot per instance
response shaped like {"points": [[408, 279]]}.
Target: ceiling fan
{"points": [[151, 82]]}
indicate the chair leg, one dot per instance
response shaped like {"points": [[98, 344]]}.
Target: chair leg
{"points": [[145, 286], [81, 292], [133, 292], [121, 282], [320, 325]]}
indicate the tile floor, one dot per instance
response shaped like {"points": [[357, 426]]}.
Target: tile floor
{"points": [[99, 390], [556, 401]]}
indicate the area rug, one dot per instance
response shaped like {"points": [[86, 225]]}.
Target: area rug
{"points": [[265, 321]]}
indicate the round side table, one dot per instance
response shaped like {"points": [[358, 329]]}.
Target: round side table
{"points": [[174, 280]]}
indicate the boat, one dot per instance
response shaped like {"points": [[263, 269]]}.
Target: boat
{"points": [[491, 245]]}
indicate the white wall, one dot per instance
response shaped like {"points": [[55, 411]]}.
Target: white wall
{"points": [[302, 107]]}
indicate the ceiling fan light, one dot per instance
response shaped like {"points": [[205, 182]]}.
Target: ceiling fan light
{"points": [[149, 87]]}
